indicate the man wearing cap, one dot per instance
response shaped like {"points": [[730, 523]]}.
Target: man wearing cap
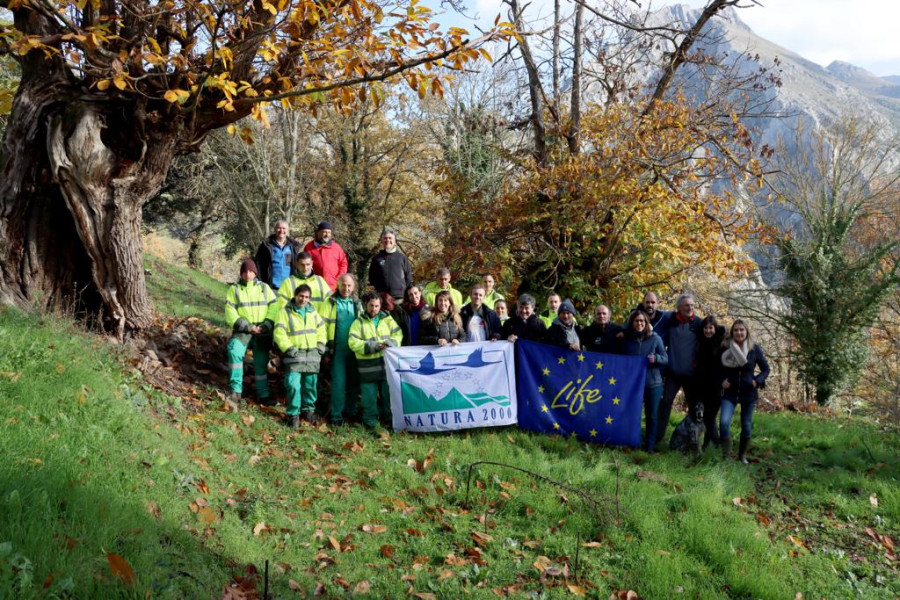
{"points": [[329, 259], [563, 332], [390, 270], [276, 255], [247, 304]]}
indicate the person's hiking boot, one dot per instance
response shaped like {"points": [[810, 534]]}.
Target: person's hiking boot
{"points": [[726, 447], [743, 446], [267, 401], [310, 417], [234, 400], [294, 421]]}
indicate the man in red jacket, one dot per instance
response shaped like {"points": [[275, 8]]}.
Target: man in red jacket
{"points": [[329, 259]]}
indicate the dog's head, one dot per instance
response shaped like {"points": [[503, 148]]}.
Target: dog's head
{"points": [[697, 412]]}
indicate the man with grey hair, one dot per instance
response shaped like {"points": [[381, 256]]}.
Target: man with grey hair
{"points": [[276, 254], [389, 270], [525, 323], [683, 330]]}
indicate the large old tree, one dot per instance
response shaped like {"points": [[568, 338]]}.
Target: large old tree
{"points": [[111, 91]]}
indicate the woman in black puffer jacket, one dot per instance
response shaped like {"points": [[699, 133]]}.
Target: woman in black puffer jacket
{"points": [[441, 324], [708, 374], [741, 357]]}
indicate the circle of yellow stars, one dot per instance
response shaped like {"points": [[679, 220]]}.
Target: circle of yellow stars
{"points": [[599, 366]]}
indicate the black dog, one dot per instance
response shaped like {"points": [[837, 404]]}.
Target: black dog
{"points": [[688, 436]]}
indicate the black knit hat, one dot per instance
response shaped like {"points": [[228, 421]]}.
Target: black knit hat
{"points": [[566, 306], [324, 225]]}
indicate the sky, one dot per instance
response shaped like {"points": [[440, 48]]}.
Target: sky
{"points": [[860, 32]]}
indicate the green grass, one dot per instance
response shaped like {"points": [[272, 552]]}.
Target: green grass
{"points": [[184, 292], [90, 452], [81, 462]]}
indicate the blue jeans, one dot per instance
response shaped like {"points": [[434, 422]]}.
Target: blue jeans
{"points": [[652, 397], [728, 408]]}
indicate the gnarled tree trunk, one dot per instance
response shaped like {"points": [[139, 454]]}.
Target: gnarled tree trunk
{"points": [[77, 171]]}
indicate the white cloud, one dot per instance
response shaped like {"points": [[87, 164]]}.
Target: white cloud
{"points": [[861, 32]]}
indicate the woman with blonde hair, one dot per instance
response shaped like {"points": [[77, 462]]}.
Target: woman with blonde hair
{"points": [[741, 357], [441, 323]]}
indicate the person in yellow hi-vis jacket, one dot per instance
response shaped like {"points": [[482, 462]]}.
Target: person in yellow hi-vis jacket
{"points": [[300, 333], [303, 274], [370, 334], [247, 304]]}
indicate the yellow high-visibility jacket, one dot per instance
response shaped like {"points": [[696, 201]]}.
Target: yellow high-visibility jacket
{"points": [[301, 334], [431, 290], [249, 304], [490, 300], [318, 297], [365, 342]]}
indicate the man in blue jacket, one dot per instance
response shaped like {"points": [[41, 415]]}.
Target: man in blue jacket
{"points": [[276, 255], [683, 328]]}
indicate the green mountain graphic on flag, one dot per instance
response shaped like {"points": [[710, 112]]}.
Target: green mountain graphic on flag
{"points": [[415, 400]]}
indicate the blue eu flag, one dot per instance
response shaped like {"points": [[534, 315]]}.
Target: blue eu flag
{"points": [[594, 397]]}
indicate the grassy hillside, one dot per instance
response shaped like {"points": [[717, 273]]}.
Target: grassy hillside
{"points": [[112, 489], [183, 292]]}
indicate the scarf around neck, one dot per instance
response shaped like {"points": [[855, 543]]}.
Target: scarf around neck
{"points": [[683, 319], [736, 356]]}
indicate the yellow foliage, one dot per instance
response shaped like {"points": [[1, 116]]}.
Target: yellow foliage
{"points": [[632, 209]]}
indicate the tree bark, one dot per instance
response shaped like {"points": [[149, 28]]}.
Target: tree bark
{"points": [[77, 173]]}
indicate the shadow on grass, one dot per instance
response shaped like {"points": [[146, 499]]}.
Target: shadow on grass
{"points": [[59, 527]]}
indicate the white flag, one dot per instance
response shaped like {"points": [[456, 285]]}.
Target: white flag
{"points": [[436, 388]]}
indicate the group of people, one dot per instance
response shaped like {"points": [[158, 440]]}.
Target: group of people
{"points": [[305, 301]]}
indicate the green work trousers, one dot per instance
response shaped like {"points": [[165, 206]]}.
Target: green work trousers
{"points": [[344, 386], [301, 392], [260, 346], [376, 402]]}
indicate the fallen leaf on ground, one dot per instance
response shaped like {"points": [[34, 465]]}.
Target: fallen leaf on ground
{"points": [[873, 500], [796, 541], [260, 527], [120, 568], [153, 509], [576, 590], [542, 563], [368, 528], [207, 515], [362, 587], [455, 561]]}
